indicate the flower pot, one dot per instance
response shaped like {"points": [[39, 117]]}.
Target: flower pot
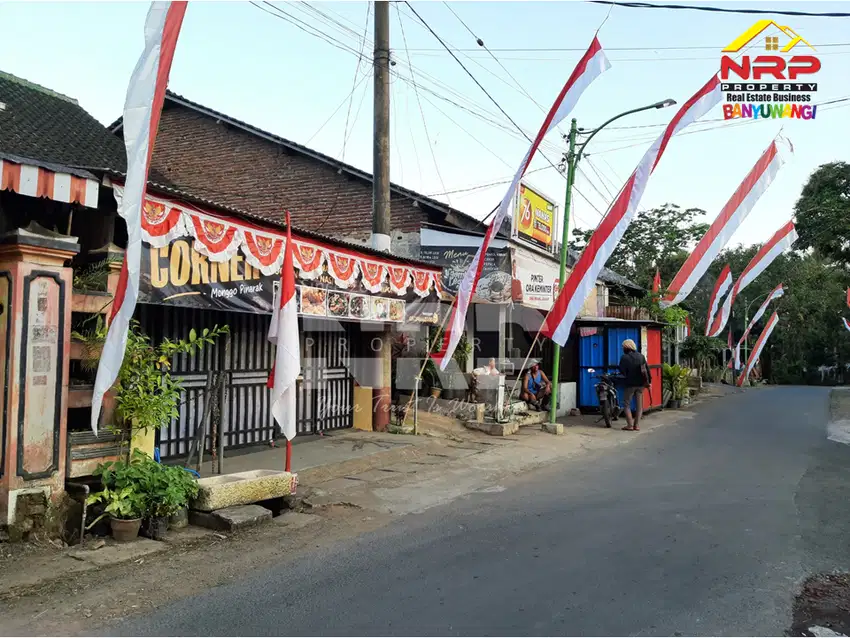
{"points": [[179, 519], [675, 404], [435, 392], [125, 530], [155, 527]]}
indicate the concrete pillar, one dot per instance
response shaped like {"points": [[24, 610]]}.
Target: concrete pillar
{"points": [[35, 341]]}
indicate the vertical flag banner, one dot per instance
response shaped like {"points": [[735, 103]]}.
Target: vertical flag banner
{"points": [[756, 353], [729, 340], [687, 327], [723, 283], [724, 226], [591, 65], [848, 297], [142, 109], [776, 293], [846, 323], [782, 239], [283, 333], [656, 282], [582, 279]]}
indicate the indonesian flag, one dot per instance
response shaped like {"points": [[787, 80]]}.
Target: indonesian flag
{"points": [[142, 109], [591, 65], [756, 353], [723, 283], [737, 360], [582, 280], [656, 282], [776, 293], [848, 297], [283, 333], [721, 230], [846, 323], [687, 327], [782, 239], [729, 339]]}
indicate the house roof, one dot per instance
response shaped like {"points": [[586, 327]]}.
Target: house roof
{"points": [[309, 234], [46, 127], [170, 96]]}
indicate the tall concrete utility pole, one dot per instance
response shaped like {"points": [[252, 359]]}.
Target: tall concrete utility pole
{"points": [[381, 143], [382, 347]]}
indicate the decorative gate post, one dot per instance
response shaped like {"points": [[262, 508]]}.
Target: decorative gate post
{"points": [[35, 329]]}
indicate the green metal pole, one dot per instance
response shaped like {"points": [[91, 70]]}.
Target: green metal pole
{"points": [[565, 243]]}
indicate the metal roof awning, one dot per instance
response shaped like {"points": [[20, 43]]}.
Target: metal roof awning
{"points": [[51, 181]]}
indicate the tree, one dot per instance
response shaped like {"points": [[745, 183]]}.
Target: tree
{"points": [[657, 238], [823, 212]]}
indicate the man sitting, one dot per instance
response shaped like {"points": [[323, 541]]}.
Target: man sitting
{"points": [[536, 388]]}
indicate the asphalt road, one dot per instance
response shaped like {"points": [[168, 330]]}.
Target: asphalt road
{"points": [[702, 528]]}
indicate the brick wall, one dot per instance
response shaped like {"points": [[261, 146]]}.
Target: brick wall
{"points": [[233, 167]]}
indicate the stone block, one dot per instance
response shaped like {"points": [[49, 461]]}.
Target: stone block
{"points": [[242, 488], [230, 519], [493, 429], [553, 428]]}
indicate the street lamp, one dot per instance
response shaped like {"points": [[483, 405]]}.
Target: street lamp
{"points": [[572, 160]]}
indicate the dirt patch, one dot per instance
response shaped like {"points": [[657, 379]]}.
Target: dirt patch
{"points": [[839, 405], [823, 601]]}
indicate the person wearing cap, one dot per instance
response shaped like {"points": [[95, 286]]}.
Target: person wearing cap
{"points": [[536, 388], [635, 378]]}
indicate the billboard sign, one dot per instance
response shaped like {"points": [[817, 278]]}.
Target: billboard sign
{"points": [[534, 218]]}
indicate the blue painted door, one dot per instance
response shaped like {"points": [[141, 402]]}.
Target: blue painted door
{"points": [[591, 355], [616, 336]]}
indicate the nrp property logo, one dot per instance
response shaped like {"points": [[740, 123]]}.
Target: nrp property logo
{"points": [[776, 84]]}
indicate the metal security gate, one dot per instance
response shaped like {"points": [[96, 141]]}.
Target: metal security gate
{"points": [[325, 394]]}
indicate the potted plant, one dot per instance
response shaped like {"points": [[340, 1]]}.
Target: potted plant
{"points": [[432, 379], [171, 490], [676, 381], [124, 506]]}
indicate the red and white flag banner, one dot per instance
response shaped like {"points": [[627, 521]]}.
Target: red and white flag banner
{"points": [[848, 297], [283, 333], [592, 64], [723, 283], [687, 327], [582, 279], [776, 293], [724, 226], [142, 109], [781, 241], [846, 323], [756, 353]]}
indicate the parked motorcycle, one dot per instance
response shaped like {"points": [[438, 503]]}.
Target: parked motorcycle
{"points": [[606, 392]]}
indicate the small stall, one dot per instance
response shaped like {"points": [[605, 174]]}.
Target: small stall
{"points": [[600, 349]]}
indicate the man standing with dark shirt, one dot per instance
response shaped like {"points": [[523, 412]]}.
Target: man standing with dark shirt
{"points": [[636, 377]]}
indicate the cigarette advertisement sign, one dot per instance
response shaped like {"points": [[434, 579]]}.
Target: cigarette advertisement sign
{"points": [[535, 216]]}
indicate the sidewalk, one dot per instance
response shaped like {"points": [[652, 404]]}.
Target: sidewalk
{"points": [[383, 474]]}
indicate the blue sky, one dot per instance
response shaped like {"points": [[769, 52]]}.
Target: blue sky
{"points": [[240, 60]]}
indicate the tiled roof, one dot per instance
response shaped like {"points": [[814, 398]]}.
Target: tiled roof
{"points": [[300, 148], [45, 126]]}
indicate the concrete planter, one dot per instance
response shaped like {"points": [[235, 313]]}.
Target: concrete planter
{"points": [[242, 488]]}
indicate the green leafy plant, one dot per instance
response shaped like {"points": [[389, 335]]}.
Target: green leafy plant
{"points": [[92, 277], [147, 395], [92, 338], [122, 503], [162, 489], [462, 352], [675, 379], [701, 350]]}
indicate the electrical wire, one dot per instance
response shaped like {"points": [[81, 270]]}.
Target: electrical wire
{"points": [[419, 103], [647, 5], [609, 49], [354, 82]]}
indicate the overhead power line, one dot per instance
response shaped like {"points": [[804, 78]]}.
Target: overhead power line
{"points": [[647, 5]]}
